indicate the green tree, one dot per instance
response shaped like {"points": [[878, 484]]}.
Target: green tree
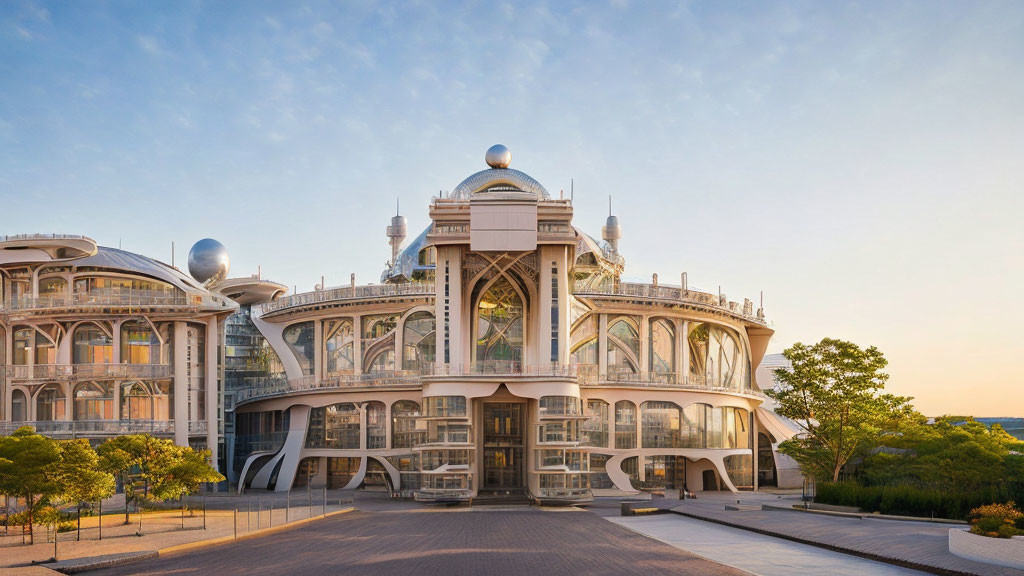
{"points": [[120, 456], [832, 390], [28, 463], [79, 477]]}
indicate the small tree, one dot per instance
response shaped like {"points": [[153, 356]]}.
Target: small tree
{"points": [[27, 465], [832, 391], [79, 477], [120, 456]]}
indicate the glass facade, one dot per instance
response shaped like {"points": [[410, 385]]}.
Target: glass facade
{"points": [[338, 346], [499, 328], [623, 346], [334, 426], [300, 340], [94, 401], [595, 428], [625, 424], [92, 345], [376, 426], [379, 342], [404, 432], [662, 346], [419, 341]]}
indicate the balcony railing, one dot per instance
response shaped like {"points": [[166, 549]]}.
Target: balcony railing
{"points": [[103, 298], [347, 293], [672, 293], [392, 378], [65, 428], [19, 237], [589, 376], [85, 371], [500, 368]]}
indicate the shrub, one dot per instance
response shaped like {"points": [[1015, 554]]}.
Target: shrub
{"points": [[906, 500], [996, 520]]}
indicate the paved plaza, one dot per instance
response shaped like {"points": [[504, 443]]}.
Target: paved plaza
{"points": [[443, 542]]}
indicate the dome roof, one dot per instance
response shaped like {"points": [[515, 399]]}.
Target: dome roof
{"points": [[499, 177]]}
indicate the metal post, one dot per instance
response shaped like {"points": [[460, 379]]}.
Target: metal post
{"points": [[271, 512], [248, 516], [55, 532], [287, 505], [235, 526], [204, 509], [259, 512], [309, 496], [325, 501], [101, 519]]}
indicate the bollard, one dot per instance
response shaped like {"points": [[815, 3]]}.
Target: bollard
{"points": [[287, 505], [271, 512], [248, 517], [259, 512], [235, 526]]}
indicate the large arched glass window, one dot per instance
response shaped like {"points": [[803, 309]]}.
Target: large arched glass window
{"points": [[584, 342], [91, 345], [662, 347], [338, 346], [376, 425], [94, 401], [694, 431], [737, 431], [299, 338], [623, 346], [625, 424], [53, 288], [19, 406], [334, 426], [499, 328], [661, 425], [419, 341], [50, 403], [141, 345], [595, 427], [727, 358], [379, 342], [136, 402], [697, 340], [403, 424]]}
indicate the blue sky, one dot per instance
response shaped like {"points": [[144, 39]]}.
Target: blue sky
{"points": [[860, 163]]}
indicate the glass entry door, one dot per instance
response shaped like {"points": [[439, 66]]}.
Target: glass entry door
{"points": [[503, 446]]}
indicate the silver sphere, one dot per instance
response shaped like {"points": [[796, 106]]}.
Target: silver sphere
{"points": [[498, 156], [208, 261]]}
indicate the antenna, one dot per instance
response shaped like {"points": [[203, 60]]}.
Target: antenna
{"points": [[609, 204], [172, 253], [398, 206]]}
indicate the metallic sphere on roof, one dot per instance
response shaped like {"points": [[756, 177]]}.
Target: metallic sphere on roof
{"points": [[208, 261], [498, 156]]}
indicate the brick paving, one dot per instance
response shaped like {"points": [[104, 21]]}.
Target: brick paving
{"points": [[443, 542]]}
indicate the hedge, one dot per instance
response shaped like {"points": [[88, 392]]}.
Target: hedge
{"points": [[914, 501]]}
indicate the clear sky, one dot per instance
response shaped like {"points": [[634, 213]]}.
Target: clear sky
{"points": [[861, 163]]}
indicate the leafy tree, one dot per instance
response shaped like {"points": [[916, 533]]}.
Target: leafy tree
{"points": [[832, 390], [187, 470], [121, 456], [27, 470], [79, 477]]}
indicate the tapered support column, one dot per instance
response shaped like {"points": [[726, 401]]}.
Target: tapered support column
{"points": [[602, 345], [212, 388], [181, 384]]}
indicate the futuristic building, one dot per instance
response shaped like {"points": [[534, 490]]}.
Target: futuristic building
{"points": [[99, 342], [500, 354]]}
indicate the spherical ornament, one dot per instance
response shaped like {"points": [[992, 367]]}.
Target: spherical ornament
{"points": [[498, 156], [208, 261]]}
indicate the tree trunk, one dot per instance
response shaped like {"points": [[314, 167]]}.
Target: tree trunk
{"points": [[78, 537], [31, 517], [124, 484]]}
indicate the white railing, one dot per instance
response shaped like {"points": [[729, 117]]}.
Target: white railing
{"points": [[347, 293], [671, 293], [74, 427], [500, 368], [19, 237], [278, 387], [104, 297], [589, 376], [67, 371]]}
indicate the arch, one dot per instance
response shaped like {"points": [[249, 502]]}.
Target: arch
{"points": [[19, 406], [338, 345], [662, 346], [403, 423], [50, 403], [623, 345], [142, 343], [378, 342], [500, 326], [625, 424], [499, 177], [419, 342], [91, 344], [136, 401], [300, 340], [93, 401]]}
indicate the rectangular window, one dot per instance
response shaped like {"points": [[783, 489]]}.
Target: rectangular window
{"points": [[554, 312]]}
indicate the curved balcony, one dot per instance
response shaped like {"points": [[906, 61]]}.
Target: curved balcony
{"points": [[346, 293], [282, 387], [73, 428], [101, 299], [501, 368], [673, 294], [591, 378], [87, 371]]}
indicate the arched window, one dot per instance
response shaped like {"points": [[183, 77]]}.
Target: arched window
{"points": [[141, 345], [19, 406], [661, 425], [595, 427], [625, 424], [334, 426], [623, 346], [338, 345], [299, 338], [419, 341], [136, 402], [403, 423], [737, 431], [499, 328], [94, 401], [694, 432], [50, 403], [376, 425], [91, 345], [662, 347], [53, 288], [697, 340], [727, 358], [379, 342]]}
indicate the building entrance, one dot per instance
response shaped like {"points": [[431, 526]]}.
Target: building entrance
{"points": [[503, 447]]}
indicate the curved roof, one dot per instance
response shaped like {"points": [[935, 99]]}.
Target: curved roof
{"points": [[409, 258], [114, 259], [492, 177]]}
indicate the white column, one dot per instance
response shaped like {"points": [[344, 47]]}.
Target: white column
{"points": [[645, 344], [357, 344], [212, 387], [69, 400], [602, 344], [362, 426], [180, 384], [563, 306], [684, 359], [543, 305], [318, 350]]}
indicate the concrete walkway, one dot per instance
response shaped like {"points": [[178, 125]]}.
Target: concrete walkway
{"points": [[923, 545], [754, 553]]}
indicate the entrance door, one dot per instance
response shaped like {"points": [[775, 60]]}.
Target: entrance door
{"points": [[503, 446]]}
